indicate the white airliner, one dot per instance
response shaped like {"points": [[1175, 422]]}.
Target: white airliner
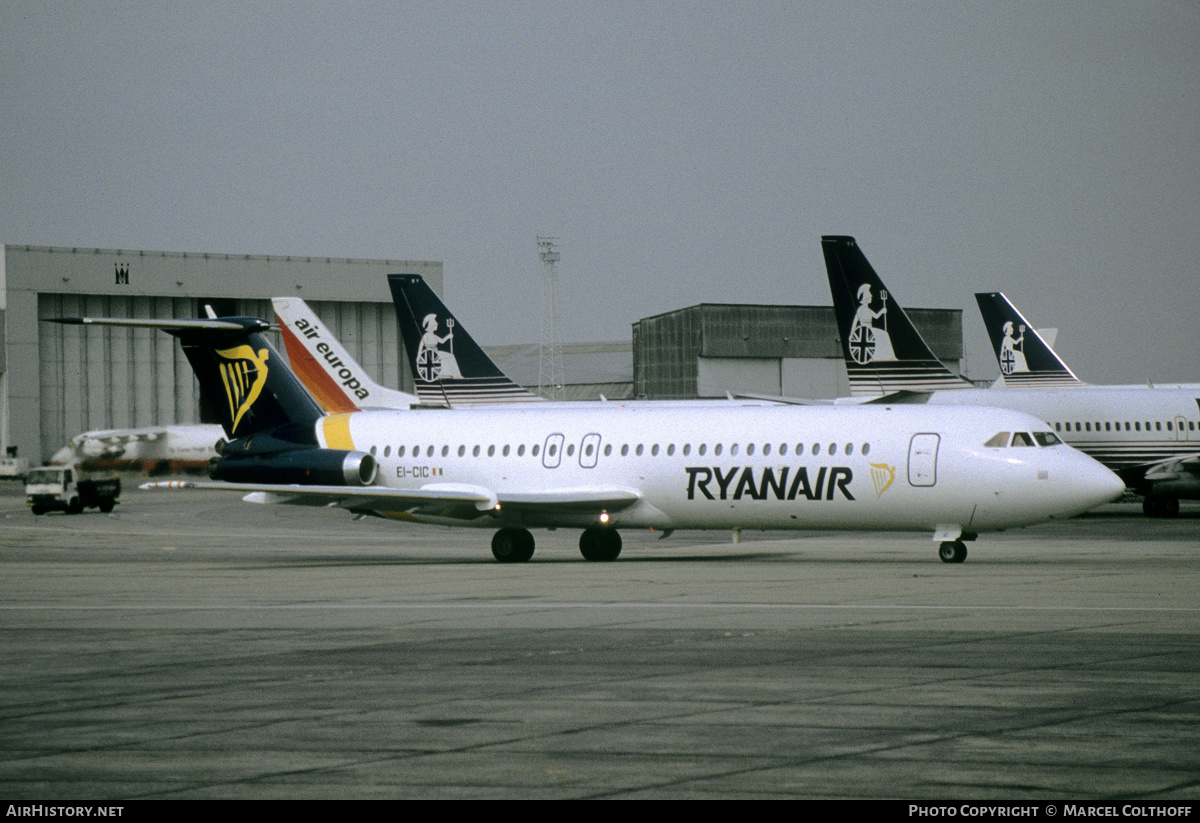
{"points": [[1150, 436], [1026, 358], [152, 450], [951, 472]]}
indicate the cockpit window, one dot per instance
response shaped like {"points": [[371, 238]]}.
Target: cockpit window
{"points": [[1022, 439], [1047, 439], [998, 441]]}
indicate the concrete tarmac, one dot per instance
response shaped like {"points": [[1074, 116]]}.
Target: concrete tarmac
{"points": [[192, 646]]}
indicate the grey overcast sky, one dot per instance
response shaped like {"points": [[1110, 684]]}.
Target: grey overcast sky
{"points": [[683, 152]]}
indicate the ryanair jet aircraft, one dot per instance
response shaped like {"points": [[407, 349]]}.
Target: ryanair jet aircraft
{"points": [[1150, 436], [951, 472]]}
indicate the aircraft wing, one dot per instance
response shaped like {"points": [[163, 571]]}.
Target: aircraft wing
{"points": [[1179, 475], [456, 500]]}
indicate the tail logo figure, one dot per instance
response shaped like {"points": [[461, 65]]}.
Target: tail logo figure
{"points": [[244, 376], [1012, 351], [867, 342], [433, 362]]}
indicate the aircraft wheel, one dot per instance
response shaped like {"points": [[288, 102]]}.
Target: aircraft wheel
{"points": [[952, 551], [1161, 506], [512, 545], [600, 544]]}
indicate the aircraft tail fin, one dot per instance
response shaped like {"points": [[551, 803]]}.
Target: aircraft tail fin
{"points": [[327, 370], [242, 378], [882, 349], [1026, 360], [449, 368]]}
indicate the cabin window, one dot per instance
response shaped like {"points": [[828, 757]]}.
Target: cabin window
{"points": [[534, 449], [997, 441], [505, 451], [733, 449], [799, 449], [429, 451], [1058, 427], [462, 450], [373, 451], [1169, 426], [816, 449], [1158, 425], [717, 450], [445, 451], [687, 449], [701, 449], [399, 451], [670, 449], [521, 450], [570, 450], [552, 449], [475, 451], [387, 451], [1087, 426], [654, 450], [587, 450], [849, 449], [624, 449], [607, 449], [491, 451], [866, 449], [832, 449], [639, 450], [750, 449]]}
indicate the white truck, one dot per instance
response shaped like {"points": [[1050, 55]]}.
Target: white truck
{"points": [[60, 488]]}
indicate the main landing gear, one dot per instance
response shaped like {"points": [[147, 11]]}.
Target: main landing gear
{"points": [[953, 551], [1160, 506], [512, 545], [600, 544]]}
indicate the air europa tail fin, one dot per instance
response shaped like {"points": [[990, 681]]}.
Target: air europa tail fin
{"points": [[242, 378], [324, 366], [449, 368], [1026, 360], [883, 350]]}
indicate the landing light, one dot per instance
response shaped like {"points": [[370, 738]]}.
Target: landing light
{"points": [[603, 517]]}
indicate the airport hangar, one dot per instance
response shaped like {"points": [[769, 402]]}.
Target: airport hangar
{"points": [[57, 381]]}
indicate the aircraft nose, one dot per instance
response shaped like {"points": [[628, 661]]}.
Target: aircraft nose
{"points": [[1094, 484]]}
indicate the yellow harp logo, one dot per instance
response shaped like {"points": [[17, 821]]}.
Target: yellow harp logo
{"points": [[244, 375], [882, 476]]}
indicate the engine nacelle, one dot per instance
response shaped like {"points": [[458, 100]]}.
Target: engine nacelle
{"points": [[304, 467]]}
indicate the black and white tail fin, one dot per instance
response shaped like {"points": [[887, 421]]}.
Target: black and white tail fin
{"points": [[1026, 360], [884, 353], [242, 378], [449, 368]]}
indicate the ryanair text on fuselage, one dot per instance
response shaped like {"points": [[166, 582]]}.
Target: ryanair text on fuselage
{"points": [[738, 482]]}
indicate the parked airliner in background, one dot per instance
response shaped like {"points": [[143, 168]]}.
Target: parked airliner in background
{"points": [[334, 378], [952, 472], [152, 450], [1026, 358], [1149, 436], [449, 367]]}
